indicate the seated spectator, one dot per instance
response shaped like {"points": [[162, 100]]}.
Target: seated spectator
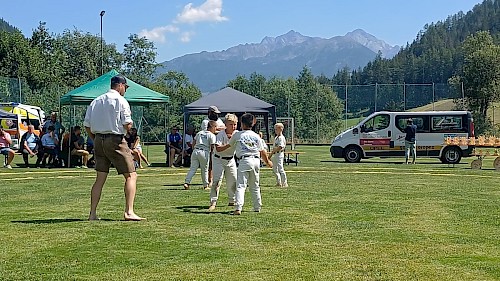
{"points": [[50, 143], [77, 146], [188, 147], [31, 146], [174, 147], [134, 143], [5, 142], [90, 149]]}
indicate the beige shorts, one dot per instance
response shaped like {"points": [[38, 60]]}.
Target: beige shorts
{"points": [[112, 149]]}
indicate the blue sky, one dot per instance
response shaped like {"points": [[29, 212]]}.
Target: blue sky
{"points": [[182, 27]]}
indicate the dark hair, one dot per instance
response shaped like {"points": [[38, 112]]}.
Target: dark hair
{"points": [[51, 128], [211, 124], [77, 128], [247, 119]]}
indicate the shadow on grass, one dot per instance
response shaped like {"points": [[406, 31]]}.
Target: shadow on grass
{"points": [[181, 187], [366, 162], [52, 221], [203, 210]]}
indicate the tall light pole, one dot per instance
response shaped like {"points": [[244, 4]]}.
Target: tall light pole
{"points": [[102, 48]]}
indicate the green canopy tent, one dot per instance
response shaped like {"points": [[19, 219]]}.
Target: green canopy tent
{"points": [[136, 95]]}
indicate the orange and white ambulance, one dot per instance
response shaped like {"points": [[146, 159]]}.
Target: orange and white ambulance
{"points": [[24, 115], [382, 135]]}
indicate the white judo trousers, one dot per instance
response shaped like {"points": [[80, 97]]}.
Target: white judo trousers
{"points": [[220, 168], [199, 159], [248, 174], [278, 169]]}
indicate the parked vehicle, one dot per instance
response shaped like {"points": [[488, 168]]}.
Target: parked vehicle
{"points": [[24, 115], [382, 135]]}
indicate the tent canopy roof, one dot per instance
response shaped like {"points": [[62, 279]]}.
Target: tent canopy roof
{"points": [[229, 100], [136, 94]]}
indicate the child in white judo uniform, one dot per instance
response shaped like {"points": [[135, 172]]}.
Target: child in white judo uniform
{"points": [[279, 156], [249, 149], [224, 164], [204, 142]]}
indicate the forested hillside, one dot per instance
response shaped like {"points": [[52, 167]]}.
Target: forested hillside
{"points": [[6, 26], [435, 55]]}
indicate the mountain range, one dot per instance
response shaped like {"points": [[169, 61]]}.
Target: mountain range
{"points": [[282, 56]]}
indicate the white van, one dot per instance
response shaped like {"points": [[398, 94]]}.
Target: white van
{"points": [[25, 115], [382, 135]]}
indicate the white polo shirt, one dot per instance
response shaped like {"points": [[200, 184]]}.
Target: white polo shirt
{"points": [[204, 123], [108, 113]]}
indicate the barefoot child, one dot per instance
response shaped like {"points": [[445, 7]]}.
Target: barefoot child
{"points": [[204, 142], [224, 164], [249, 149], [279, 156]]}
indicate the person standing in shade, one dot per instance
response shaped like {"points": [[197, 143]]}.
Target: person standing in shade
{"points": [[410, 141], [58, 128], [224, 164], [279, 156], [249, 149], [204, 142], [107, 120]]}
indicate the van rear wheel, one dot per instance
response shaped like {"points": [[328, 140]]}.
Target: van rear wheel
{"points": [[352, 154], [451, 155]]}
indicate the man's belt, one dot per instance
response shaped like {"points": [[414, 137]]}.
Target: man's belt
{"points": [[225, 158], [249, 156]]}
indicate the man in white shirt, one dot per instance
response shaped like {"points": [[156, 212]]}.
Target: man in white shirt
{"points": [[107, 120], [224, 164], [213, 112]]}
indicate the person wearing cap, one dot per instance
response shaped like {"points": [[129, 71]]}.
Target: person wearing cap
{"points": [[410, 141], [107, 120], [213, 114]]}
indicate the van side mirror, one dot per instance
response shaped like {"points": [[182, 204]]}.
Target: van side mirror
{"points": [[355, 131]]}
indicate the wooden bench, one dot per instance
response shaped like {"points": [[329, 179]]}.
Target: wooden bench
{"points": [[292, 152]]}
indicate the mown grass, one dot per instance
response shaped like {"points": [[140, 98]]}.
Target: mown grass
{"points": [[376, 220]]}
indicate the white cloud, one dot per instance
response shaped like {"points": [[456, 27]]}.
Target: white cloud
{"points": [[157, 34], [186, 36], [210, 11]]}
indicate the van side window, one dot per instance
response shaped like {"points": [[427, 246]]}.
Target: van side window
{"points": [[376, 123], [447, 124], [422, 123]]}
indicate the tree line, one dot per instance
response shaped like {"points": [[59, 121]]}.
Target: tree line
{"points": [[462, 51]]}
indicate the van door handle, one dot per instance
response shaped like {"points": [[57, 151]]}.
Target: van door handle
{"points": [[389, 133]]}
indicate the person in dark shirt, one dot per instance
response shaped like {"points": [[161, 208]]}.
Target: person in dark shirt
{"points": [[410, 141]]}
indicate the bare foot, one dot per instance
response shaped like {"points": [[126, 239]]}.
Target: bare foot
{"points": [[93, 217], [132, 217]]}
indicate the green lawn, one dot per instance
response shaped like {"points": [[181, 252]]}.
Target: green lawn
{"points": [[376, 220]]}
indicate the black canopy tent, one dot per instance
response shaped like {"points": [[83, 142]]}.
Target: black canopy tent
{"points": [[229, 100]]}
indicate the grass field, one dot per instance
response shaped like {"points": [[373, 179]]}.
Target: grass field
{"points": [[376, 220]]}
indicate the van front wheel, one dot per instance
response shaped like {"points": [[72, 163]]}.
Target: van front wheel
{"points": [[451, 155], [352, 154]]}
